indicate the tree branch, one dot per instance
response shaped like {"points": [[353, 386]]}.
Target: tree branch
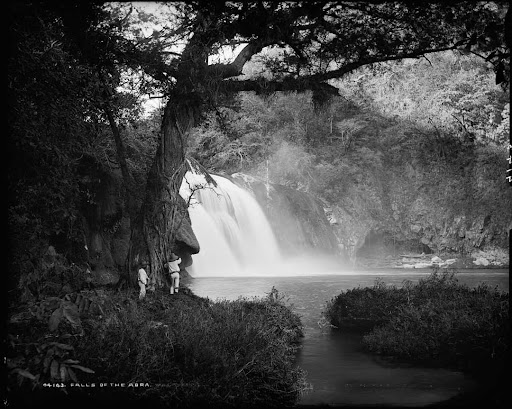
{"points": [[315, 81], [235, 68]]}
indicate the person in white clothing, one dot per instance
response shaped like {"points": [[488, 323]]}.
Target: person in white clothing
{"points": [[143, 280], [173, 269]]}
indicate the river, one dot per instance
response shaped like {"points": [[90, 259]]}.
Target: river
{"points": [[339, 372]]}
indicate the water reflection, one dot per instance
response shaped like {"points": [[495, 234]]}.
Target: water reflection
{"points": [[338, 369]]}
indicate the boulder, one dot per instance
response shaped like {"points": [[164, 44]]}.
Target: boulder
{"points": [[422, 265], [495, 256], [186, 236], [481, 262], [186, 242]]}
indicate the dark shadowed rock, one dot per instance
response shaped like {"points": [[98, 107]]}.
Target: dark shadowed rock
{"points": [[186, 238]]}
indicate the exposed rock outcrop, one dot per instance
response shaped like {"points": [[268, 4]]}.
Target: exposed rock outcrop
{"points": [[411, 214], [186, 242], [107, 228]]}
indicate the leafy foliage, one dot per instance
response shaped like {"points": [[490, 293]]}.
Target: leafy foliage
{"points": [[40, 342], [58, 139], [448, 92], [193, 351], [436, 320], [43, 188]]}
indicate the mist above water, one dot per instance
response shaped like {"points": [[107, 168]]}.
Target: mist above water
{"points": [[235, 236]]}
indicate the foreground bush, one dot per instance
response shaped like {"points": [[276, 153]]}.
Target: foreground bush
{"points": [[195, 352], [437, 320], [181, 351]]}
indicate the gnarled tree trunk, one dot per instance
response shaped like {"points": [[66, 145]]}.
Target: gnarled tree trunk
{"points": [[163, 225], [164, 212]]}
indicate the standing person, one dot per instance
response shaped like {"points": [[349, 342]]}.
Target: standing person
{"points": [[143, 280], [174, 270]]}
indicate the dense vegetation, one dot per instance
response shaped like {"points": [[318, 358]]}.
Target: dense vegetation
{"points": [[450, 96], [185, 351], [419, 142], [61, 151], [437, 321]]}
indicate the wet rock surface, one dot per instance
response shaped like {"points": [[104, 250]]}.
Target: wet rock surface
{"points": [[443, 261]]}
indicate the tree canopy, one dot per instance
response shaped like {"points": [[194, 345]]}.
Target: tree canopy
{"points": [[312, 42]]}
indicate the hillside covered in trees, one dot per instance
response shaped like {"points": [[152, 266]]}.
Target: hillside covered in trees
{"points": [[410, 156]]}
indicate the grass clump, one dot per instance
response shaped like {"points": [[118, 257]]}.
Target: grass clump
{"points": [[194, 352]]}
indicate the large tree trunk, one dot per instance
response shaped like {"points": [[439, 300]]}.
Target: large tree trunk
{"points": [[154, 231], [164, 211]]}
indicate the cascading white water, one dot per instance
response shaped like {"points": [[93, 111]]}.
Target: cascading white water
{"points": [[234, 235]]}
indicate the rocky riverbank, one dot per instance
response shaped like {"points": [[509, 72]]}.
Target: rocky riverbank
{"points": [[495, 258]]}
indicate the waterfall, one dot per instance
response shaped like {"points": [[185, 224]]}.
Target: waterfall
{"points": [[234, 235]]}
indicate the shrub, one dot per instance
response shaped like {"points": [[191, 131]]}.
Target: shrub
{"points": [[40, 344], [437, 320], [194, 352], [468, 330], [366, 307]]}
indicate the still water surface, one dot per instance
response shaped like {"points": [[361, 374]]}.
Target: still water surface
{"points": [[339, 371]]}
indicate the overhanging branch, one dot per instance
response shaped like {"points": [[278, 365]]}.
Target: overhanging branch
{"points": [[317, 81], [287, 84], [235, 68]]}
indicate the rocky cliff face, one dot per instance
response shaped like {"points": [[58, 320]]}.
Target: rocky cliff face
{"points": [[106, 227], [298, 219], [403, 220], [410, 216], [404, 224], [372, 243], [455, 217]]}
